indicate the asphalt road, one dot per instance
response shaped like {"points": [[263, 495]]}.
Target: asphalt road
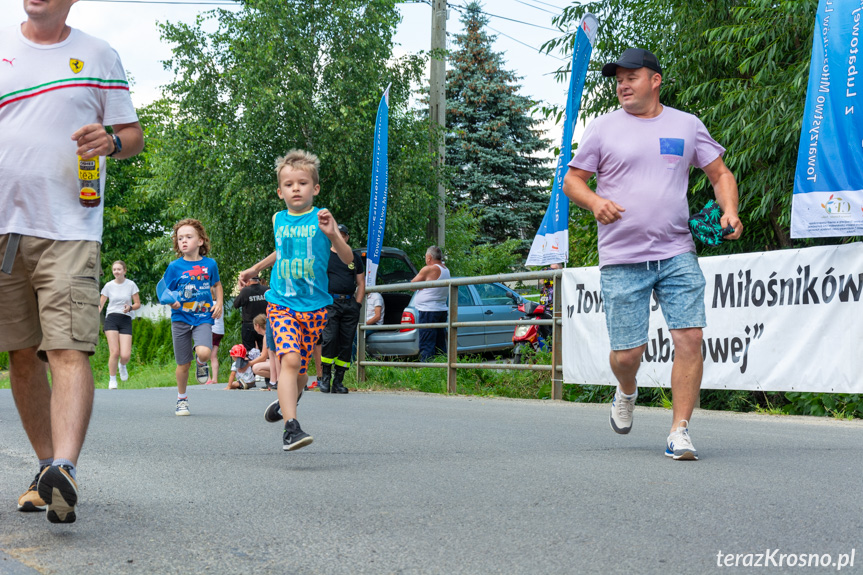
{"points": [[413, 483]]}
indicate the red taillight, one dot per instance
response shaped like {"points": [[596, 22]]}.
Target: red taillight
{"points": [[407, 317]]}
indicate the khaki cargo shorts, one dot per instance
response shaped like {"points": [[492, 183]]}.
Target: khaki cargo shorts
{"points": [[51, 299]]}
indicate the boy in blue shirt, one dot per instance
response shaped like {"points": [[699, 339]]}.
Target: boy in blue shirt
{"points": [[186, 287], [299, 289]]}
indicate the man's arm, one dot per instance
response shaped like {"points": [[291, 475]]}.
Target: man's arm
{"points": [[94, 141], [427, 274], [725, 190], [240, 300], [576, 189], [220, 300], [361, 288]]}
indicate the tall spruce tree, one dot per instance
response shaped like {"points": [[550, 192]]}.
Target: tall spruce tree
{"points": [[492, 142]]}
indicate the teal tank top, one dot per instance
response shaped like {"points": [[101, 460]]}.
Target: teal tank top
{"points": [[299, 279]]}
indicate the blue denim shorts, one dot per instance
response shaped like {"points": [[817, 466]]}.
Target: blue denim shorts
{"points": [[626, 288], [271, 343]]}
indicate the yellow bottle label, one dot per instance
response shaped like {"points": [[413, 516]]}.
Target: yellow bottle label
{"points": [[88, 177]]}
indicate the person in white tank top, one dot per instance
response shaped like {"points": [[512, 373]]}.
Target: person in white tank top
{"points": [[431, 304]]}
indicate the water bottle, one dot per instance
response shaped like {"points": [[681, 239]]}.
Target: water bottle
{"points": [[88, 182]]}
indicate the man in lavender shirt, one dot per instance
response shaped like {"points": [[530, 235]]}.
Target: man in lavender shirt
{"points": [[641, 154]]}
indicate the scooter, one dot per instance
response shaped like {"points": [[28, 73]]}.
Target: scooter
{"points": [[530, 336]]}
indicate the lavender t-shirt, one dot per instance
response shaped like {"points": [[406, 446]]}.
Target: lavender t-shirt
{"points": [[643, 166]]}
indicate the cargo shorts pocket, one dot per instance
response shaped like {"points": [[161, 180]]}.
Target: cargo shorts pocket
{"points": [[85, 310]]}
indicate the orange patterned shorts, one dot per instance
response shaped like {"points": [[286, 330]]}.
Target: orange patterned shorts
{"points": [[296, 331]]}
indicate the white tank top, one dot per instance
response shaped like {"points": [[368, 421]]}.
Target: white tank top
{"points": [[433, 299]]}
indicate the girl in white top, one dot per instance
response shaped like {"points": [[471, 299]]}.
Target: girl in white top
{"points": [[122, 295], [218, 334]]}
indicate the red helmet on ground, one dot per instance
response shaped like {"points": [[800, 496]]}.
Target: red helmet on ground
{"points": [[238, 350]]}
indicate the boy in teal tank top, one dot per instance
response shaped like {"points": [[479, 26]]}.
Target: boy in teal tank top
{"points": [[299, 290]]}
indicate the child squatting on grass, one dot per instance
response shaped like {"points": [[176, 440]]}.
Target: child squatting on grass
{"points": [[186, 287], [299, 288]]}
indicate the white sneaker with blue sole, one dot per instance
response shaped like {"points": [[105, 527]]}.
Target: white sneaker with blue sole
{"points": [[679, 446]]}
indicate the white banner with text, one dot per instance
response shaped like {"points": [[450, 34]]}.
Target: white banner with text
{"points": [[789, 320]]}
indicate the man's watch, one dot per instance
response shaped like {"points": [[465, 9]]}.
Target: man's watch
{"points": [[118, 145]]}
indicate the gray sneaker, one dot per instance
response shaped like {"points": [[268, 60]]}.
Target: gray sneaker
{"points": [[621, 411], [202, 372], [182, 407]]}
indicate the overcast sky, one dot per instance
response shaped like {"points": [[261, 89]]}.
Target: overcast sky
{"points": [[521, 26]]}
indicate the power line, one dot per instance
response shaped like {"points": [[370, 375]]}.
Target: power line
{"points": [[547, 4], [461, 9], [528, 45], [537, 7]]}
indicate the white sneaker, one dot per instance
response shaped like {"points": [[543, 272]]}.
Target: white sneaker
{"points": [[112, 384], [124, 373], [182, 407], [679, 445], [621, 411]]}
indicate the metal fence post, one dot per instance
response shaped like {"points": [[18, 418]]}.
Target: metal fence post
{"points": [[452, 340], [361, 344], [557, 341]]}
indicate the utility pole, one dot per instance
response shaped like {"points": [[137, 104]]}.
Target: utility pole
{"points": [[437, 104]]}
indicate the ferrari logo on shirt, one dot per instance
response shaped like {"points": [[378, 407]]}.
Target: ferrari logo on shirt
{"points": [[76, 65]]}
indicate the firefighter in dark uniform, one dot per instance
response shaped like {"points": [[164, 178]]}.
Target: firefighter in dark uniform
{"points": [[348, 288]]}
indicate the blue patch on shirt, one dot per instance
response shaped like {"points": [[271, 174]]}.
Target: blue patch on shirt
{"points": [[671, 146]]}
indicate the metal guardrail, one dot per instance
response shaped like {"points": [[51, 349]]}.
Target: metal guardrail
{"points": [[452, 364]]}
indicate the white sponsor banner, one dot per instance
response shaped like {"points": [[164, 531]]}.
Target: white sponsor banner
{"points": [[789, 320]]}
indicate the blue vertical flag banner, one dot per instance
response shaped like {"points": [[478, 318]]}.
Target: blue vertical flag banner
{"points": [[379, 191], [828, 182], [551, 244]]}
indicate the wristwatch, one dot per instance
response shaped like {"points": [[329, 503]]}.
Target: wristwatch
{"points": [[118, 145]]}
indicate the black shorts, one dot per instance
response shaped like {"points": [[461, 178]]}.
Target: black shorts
{"points": [[217, 338], [119, 322]]}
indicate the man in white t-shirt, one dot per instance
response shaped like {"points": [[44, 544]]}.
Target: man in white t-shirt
{"points": [[641, 154], [375, 309], [59, 88]]}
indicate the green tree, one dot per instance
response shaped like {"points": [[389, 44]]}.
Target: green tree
{"points": [[739, 65], [280, 75], [134, 220], [492, 141]]}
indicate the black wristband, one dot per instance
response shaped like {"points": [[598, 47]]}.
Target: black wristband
{"points": [[118, 145]]}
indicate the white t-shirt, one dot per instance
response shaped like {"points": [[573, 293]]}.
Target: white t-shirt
{"points": [[642, 164], [374, 300], [119, 295], [247, 376], [219, 324], [47, 93]]}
